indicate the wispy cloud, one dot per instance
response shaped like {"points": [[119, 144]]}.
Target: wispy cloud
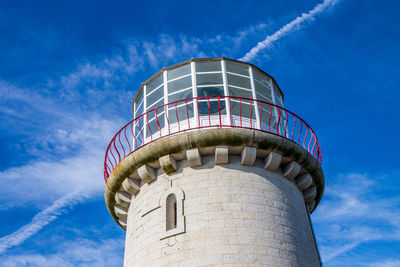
{"points": [[352, 213], [386, 263], [41, 219], [80, 252], [288, 28]]}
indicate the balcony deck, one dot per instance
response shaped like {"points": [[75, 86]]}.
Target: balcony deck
{"points": [[209, 112]]}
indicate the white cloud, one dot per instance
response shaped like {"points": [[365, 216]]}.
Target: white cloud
{"points": [[356, 210], [288, 28], [41, 219], [386, 263], [80, 252]]}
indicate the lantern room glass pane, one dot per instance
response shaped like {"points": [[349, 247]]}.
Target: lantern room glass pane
{"points": [[278, 96], [211, 106], [179, 84], [154, 125], [139, 105], [208, 66], [239, 81], [243, 108], [237, 68], [210, 91], [139, 131], [155, 96], [178, 72], [210, 78], [261, 78], [263, 98], [233, 91], [263, 93], [157, 81], [180, 96], [180, 112]]}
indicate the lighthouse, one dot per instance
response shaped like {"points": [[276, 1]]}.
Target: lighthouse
{"points": [[213, 170]]}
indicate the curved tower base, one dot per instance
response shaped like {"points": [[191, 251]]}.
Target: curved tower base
{"points": [[233, 214]]}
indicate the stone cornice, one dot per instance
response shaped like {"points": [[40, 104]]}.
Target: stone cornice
{"points": [[296, 161]]}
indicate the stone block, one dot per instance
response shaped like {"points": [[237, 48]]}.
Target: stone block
{"points": [[193, 157], [291, 170], [248, 156], [122, 212], [310, 193], [122, 222], [147, 173], [221, 155], [272, 161], [311, 205], [303, 181], [123, 198], [131, 186], [168, 164]]}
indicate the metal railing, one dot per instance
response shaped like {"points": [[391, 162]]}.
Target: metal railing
{"points": [[204, 112]]}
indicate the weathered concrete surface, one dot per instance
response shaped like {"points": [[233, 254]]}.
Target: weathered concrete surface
{"points": [[232, 137]]}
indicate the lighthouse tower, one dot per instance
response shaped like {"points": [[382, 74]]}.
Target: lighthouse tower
{"points": [[214, 171]]}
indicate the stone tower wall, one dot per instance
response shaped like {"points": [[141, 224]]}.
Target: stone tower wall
{"points": [[232, 215]]}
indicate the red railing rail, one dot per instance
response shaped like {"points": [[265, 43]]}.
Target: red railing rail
{"points": [[209, 111]]}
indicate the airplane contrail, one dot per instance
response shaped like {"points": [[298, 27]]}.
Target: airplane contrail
{"points": [[40, 220], [291, 26]]}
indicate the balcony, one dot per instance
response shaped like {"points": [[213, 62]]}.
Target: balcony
{"points": [[201, 112]]}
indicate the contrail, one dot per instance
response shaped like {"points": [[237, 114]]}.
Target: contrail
{"points": [[291, 26], [341, 250], [40, 220]]}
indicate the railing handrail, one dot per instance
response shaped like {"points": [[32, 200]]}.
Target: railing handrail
{"points": [[117, 148]]}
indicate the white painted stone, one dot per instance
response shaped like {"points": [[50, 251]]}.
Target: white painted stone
{"points": [[272, 161], [291, 170], [147, 173], [193, 157], [248, 156], [221, 155]]}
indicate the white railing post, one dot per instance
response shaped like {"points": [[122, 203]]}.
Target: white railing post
{"points": [[144, 114], [253, 91], [194, 93], [134, 128], [226, 92], [165, 78]]}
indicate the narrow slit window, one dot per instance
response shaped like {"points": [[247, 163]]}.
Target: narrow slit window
{"points": [[171, 212], [172, 209]]}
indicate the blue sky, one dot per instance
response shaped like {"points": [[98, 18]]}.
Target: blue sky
{"points": [[70, 69]]}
